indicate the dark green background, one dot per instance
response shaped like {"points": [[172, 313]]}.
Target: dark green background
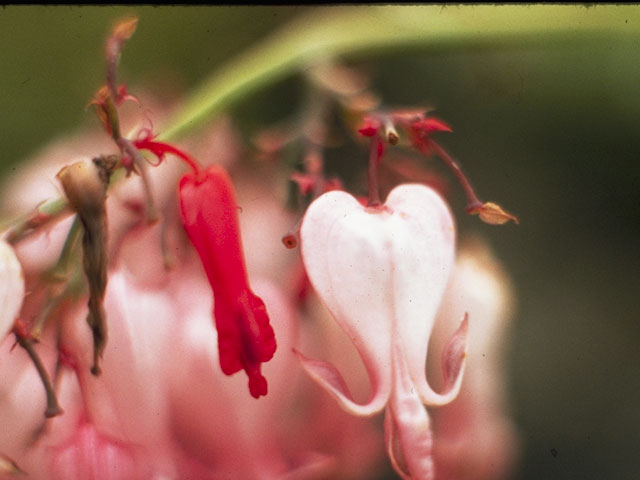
{"points": [[548, 131]]}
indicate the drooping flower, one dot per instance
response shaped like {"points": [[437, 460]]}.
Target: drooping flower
{"points": [[381, 272], [210, 218]]}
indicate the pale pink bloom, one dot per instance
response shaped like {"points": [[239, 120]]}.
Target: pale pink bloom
{"points": [[479, 415], [382, 272], [114, 425], [161, 407]]}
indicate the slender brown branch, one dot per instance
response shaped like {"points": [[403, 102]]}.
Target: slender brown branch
{"points": [[53, 408], [374, 160], [473, 202]]}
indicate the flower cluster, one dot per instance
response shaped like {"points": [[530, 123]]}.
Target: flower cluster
{"points": [[136, 305]]}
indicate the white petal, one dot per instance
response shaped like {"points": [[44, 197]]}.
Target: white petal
{"points": [[346, 254], [330, 379], [382, 273], [423, 254], [11, 288]]}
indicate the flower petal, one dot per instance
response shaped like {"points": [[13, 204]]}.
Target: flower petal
{"points": [[348, 263], [423, 254], [330, 379], [11, 288], [407, 427], [453, 359], [209, 215]]}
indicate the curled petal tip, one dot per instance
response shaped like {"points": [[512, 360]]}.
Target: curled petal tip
{"points": [[453, 364], [329, 378], [455, 354]]}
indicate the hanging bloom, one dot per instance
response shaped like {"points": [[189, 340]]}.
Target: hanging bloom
{"points": [[381, 272], [209, 215]]}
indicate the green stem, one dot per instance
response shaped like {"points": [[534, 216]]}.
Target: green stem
{"points": [[348, 31], [45, 213]]}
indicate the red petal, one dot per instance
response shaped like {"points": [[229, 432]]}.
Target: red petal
{"points": [[369, 127], [433, 124], [209, 215]]}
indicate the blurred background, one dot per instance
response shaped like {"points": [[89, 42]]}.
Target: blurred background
{"points": [[549, 129]]}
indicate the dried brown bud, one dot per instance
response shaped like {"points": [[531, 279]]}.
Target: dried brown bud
{"points": [[290, 240], [493, 214], [85, 185], [124, 29]]}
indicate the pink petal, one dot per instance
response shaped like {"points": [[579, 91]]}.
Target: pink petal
{"points": [[330, 379], [205, 402], [92, 456], [453, 359], [407, 431], [128, 399], [479, 416]]}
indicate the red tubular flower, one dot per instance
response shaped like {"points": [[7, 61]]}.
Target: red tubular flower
{"points": [[209, 215]]}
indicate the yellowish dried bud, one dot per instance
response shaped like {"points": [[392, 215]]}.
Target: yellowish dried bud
{"points": [[493, 214], [84, 186], [125, 29], [11, 288], [9, 467]]}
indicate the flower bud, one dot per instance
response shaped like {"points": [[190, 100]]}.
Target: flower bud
{"points": [[84, 186]]}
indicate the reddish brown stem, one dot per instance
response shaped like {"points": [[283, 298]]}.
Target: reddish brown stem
{"points": [[374, 160], [473, 202], [127, 147], [53, 408]]}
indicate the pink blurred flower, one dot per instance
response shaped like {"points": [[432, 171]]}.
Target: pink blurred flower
{"points": [[479, 416], [162, 407]]}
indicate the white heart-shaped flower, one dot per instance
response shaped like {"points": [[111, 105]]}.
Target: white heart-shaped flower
{"points": [[382, 273]]}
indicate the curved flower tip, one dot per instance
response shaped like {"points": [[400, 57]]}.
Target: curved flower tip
{"points": [[210, 218], [11, 288], [123, 30], [332, 381], [453, 358], [493, 214], [245, 338]]}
